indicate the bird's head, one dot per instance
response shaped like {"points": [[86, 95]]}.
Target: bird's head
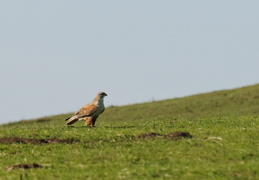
{"points": [[102, 94]]}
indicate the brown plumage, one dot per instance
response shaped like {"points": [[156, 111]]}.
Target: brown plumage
{"points": [[89, 112]]}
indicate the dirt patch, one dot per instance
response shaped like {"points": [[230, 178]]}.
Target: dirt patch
{"points": [[12, 140], [148, 135], [24, 166], [173, 135], [178, 135]]}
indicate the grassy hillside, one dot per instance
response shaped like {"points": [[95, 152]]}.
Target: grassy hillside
{"points": [[137, 142]]}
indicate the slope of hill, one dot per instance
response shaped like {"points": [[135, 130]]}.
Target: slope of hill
{"points": [[235, 102]]}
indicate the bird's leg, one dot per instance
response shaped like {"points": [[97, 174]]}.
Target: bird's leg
{"points": [[89, 121], [94, 120]]}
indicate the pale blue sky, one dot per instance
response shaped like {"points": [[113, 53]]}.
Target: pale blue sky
{"points": [[56, 55]]}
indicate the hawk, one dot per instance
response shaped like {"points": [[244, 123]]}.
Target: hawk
{"points": [[89, 112]]}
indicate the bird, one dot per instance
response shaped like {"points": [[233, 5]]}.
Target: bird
{"points": [[90, 112]]}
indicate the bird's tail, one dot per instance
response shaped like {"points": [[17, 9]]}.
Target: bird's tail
{"points": [[71, 120]]}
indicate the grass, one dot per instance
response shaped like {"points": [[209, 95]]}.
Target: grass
{"points": [[224, 144]]}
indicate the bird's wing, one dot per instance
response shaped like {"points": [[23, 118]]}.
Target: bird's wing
{"points": [[86, 110]]}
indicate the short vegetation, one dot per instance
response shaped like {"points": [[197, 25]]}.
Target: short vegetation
{"points": [[206, 136]]}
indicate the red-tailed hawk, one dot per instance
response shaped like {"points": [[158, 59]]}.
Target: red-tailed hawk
{"points": [[89, 112]]}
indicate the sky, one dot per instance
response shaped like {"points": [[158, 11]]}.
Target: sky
{"points": [[55, 56]]}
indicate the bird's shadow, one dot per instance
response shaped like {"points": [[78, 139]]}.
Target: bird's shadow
{"points": [[80, 127]]}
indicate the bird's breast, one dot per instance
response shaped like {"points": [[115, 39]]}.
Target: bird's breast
{"points": [[100, 108]]}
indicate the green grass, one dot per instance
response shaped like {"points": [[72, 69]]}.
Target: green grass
{"points": [[225, 143]]}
